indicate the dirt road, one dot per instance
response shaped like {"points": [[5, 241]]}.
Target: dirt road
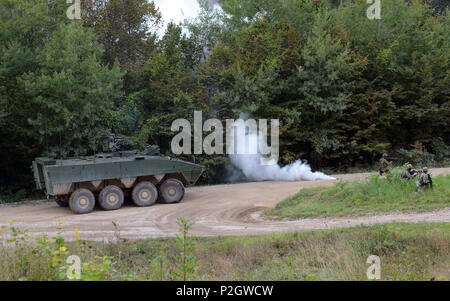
{"points": [[216, 210]]}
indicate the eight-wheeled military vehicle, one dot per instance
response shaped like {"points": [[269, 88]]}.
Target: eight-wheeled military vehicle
{"points": [[108, 178]]}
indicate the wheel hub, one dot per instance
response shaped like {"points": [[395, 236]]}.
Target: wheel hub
{"points": [[83, 202], [172, 191], [145, 195], [112, 198]]}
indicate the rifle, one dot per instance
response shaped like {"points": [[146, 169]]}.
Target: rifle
{"points": [[393, 159], [415, 172]]}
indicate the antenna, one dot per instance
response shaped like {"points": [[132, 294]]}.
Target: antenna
{"points": [[46, 138], [94, 148], [60, 147]]}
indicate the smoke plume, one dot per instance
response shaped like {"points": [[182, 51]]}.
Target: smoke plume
{"points": [[252, 169], [249, 165]]}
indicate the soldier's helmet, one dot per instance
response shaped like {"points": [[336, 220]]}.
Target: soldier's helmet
{"points": [[409, 166], [425, 169], [385, 155]]}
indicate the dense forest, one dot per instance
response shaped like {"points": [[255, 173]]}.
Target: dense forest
{"points": [[345, 88]]}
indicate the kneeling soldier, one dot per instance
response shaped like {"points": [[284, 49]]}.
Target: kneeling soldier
{"points": [[409, 173], [384, 165], [424, 180]]}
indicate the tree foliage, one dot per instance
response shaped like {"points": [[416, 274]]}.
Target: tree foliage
{"points": [[56, 91], [344, 87], [71, 92], [126, 28]]}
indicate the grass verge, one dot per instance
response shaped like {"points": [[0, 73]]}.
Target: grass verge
{"points": [[407, 252], [371, 195]]}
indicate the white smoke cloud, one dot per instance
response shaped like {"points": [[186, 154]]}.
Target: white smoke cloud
{"points": [[250, 164], [252, 169]]}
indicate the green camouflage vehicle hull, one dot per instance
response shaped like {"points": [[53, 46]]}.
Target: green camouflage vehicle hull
{"points": [[112, 177]]}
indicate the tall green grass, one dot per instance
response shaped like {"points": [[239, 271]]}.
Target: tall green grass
{"points": [[371, 195], [407, 252]]}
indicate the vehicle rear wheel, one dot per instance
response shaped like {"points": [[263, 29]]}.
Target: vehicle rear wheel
{"points": [[111, 198], [144, 194], [172, 191], [82, 201]]}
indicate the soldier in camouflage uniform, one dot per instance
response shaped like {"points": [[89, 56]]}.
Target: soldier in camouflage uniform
{"points": [[409, 173], [424, 180], [384, 165]]}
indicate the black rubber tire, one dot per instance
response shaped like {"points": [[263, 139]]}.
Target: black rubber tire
{"points": [[144, 194], [172, 191], [62, 202], [82, 201], [111, 198]]}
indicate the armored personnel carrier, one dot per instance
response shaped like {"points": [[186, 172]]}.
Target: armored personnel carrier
{"points": [[108, 178]]}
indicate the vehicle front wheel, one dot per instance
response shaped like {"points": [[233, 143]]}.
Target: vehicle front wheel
{"points": [[144, 194], [111, 198], [82, 201], [172, 191]]}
